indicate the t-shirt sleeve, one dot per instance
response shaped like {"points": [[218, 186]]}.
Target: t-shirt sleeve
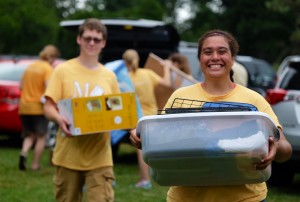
{"points": [[115, 84], [265, 107], [54, 87]]}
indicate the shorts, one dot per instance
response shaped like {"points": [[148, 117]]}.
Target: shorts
{"points": [[98, 184], [36, 124]]}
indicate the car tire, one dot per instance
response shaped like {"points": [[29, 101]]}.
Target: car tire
{"points": [[282, 174]]}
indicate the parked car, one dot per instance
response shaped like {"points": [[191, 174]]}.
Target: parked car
{"points": [[261, 73], [285, 62], [285, 101], [10, 74], [11, 71]]}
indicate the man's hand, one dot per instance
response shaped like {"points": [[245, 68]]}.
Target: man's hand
{"points": [[65, 126]]}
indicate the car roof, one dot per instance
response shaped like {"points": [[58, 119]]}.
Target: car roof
{"points": [[12, 70], [245, 58], [121, 22]]}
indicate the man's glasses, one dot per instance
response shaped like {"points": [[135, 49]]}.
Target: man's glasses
{"points": [[88, 39]]}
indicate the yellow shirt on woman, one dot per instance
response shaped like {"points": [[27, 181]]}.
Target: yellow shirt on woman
{"points": [[246, 193]]}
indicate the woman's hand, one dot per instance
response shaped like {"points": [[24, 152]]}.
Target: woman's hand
{"points": [[273, 146], [135, 139]]}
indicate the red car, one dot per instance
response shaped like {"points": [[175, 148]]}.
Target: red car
{"points": [[11, 72]]}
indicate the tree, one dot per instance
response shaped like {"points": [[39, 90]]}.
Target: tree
{"points": [[27, 25], [261, 32], [291, 8]]}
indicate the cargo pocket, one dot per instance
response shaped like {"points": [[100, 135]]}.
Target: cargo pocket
{"points": [[108, 185], [99, 185]]}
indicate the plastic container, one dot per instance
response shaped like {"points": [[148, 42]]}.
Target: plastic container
{"points": [[207, 148]]}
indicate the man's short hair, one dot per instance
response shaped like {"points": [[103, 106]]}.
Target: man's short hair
{"points": [[93, 24]]}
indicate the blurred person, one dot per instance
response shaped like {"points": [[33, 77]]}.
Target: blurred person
{"points": [[144, 82], [84, 162], [33, 85], [180, 62], [216, 52]]}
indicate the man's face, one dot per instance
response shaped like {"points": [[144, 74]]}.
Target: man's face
{"points": [[91, 42]]}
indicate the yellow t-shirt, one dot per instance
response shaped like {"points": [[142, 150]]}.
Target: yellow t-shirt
{"points": [[71, 79], [145, 81], [33, 85], [246, 193]]}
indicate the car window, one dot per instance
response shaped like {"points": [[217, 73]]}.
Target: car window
{"points": [[251, 68], [263, 67], [290, 80], [11, 71]]}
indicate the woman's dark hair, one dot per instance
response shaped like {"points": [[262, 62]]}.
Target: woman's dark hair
{"points": [[233, 44]]}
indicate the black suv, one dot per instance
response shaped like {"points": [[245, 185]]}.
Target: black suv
{"points": [[145, 36]]}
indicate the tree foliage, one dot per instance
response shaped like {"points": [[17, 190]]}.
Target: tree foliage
{"points": [[27, 25], [260, 31], [267, 29]]}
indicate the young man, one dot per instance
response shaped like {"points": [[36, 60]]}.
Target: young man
{"points": [[87, 159]]}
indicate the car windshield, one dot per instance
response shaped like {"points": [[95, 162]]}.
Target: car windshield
{"points": [[291, 79], [11, 71]]}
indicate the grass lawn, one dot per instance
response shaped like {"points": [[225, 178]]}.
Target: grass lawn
{"points": [[17, 186]]}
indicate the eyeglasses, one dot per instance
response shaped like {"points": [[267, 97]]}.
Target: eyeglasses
{"points": [[88, 39]]}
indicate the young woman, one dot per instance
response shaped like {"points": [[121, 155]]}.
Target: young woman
{"points": [[144, 81], [216, 52]]}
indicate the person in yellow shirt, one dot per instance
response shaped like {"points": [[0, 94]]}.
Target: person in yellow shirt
{"points": [[83, 160], [240, 75], [216, 52], [144, 82], [33, 85]]}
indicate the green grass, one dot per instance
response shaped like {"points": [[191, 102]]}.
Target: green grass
{"points": [[17, 186]]}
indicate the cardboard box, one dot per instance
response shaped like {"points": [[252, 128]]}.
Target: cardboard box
{"points": [[89, 115], [178, 79], [206, 148]]}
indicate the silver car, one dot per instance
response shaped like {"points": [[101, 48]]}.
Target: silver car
{"points": [[285, 101]]}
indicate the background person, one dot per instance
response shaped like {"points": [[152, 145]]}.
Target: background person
{"points": [[180, 62], [87, 159], [33, 85], [144, 81], [240, 75], [216, 52]]}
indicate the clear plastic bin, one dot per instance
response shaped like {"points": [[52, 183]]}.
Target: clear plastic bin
{"points": [[207, 148]]}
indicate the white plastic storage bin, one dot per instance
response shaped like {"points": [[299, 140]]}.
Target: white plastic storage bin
{"points": [[206, 148]]}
